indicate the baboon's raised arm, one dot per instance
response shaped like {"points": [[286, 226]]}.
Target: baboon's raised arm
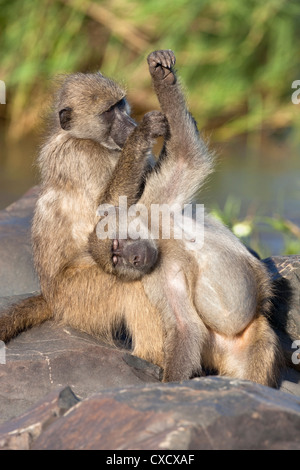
{"points": [[186, 161]]}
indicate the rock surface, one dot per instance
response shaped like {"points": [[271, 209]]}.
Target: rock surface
{"points": [[46, 357], [116, 401], [17, 274], [206, 413]]}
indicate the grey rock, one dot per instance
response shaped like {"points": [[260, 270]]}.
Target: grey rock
{"points": [[290, 381], [50, 356], [17, 274], [205, 413], [19, 434]]}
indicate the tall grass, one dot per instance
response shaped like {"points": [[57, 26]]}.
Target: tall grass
{"points": [[237, 59]]}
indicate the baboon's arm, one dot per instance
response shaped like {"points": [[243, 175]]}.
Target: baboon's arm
{"points": [[126, 181], [186, 161], [127, 176]]}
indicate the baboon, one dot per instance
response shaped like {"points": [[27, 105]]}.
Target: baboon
{"points": [[213, 299], [187, 307], [79, 163]]}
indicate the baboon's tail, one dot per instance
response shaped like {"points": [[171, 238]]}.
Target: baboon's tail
{"points": [[23, 315]]}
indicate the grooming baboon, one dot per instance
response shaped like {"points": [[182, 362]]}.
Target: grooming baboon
{"points": [[79, 166], [206, 306]]}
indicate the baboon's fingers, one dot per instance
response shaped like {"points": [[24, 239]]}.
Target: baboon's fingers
{"points": [[160, 66], [164, 58]]}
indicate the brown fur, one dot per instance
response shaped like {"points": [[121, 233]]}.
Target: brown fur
{"points": [[31, 311], [205, 306], [77, 166], [213, 299]]}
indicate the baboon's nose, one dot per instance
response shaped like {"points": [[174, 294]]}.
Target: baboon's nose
{"points": [[140, 254]]}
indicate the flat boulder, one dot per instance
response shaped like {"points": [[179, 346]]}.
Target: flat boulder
{"points": [[17, 274], [212, 413], [50, 356]]}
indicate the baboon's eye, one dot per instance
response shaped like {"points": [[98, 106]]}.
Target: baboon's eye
{"points": [[109, 110], [109, 113], [121, 104]]}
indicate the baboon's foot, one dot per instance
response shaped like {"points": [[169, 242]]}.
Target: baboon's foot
{"points": [[161, 64]]}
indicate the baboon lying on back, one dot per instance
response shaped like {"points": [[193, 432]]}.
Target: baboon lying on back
{"points": [[213, 299], [185, 308]]}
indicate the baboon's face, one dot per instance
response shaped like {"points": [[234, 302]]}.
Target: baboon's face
{"points": [[93, 107]]}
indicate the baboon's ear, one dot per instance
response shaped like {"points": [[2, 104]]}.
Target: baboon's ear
{"points": [[65, 117]]}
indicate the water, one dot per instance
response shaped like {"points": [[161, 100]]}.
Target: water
{"points": [[17, 167], [264, 176]]}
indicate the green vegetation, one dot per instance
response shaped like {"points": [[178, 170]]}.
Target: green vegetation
{"points": [[251, 227], [238, 58]]}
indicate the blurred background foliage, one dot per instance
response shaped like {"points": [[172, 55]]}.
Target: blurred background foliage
{"points": [[237, 61], [236, 57]]}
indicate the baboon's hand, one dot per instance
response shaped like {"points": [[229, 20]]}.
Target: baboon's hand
{"points": [[161, 65], [154, 124]]}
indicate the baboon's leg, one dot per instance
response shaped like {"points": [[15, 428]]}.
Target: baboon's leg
{"points": [[169, 287], [253, 355], [232, 296], [111, 305], [146, 329], [264, 359]]}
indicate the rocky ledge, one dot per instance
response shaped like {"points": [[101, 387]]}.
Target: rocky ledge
{"points": [[62, 389]]}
